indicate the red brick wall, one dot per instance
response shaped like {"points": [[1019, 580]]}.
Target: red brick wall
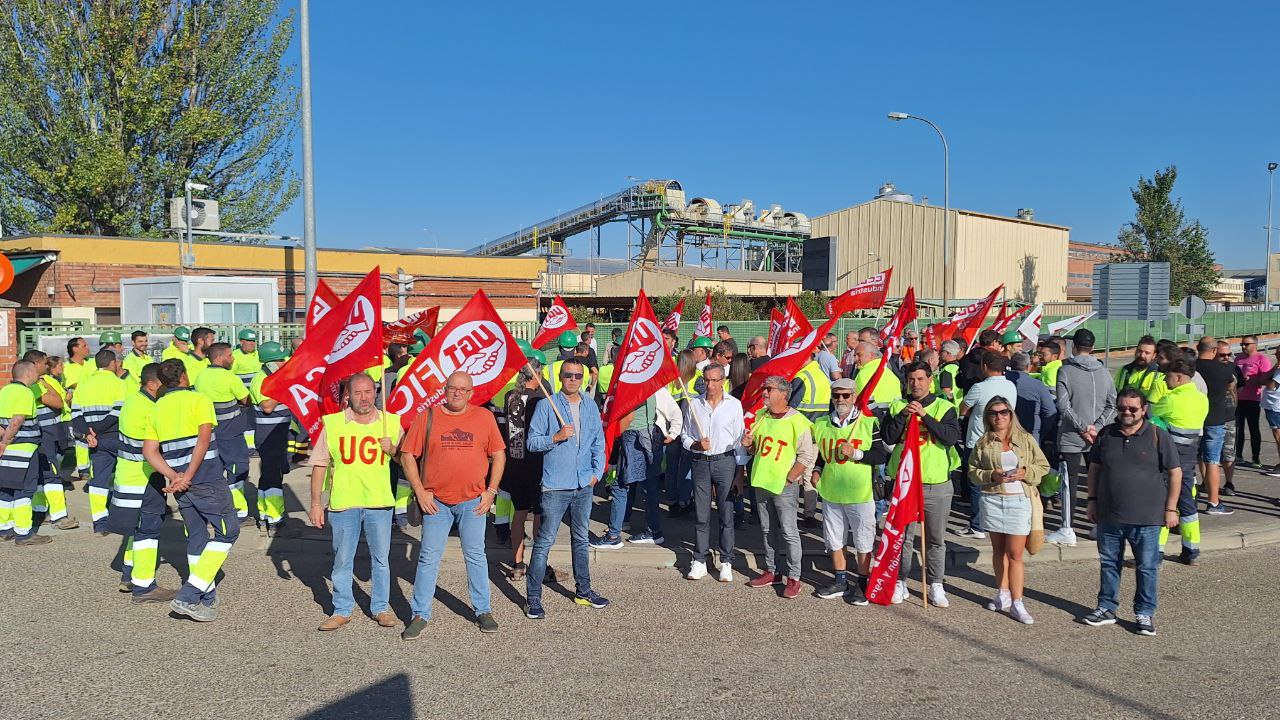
{"points": [[98, 285], [8, 339]]}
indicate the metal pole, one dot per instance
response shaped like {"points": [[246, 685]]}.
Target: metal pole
{"points": [[1266, 259], [402, 282], [308, 171]]}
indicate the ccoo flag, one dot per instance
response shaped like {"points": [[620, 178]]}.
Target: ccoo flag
{"points": [[323, 300], [558, 320], [906, 507], [475, 341], [866, 295], [643, 366], [890, 337]]}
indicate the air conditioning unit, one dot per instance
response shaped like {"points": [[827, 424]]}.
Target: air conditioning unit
{"points": [[204, 214]]}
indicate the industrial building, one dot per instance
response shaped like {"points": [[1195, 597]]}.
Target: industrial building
{"points": [[81, 277], [1028, 256]]}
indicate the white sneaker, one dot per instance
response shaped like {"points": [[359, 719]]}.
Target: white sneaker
{"points": [[1020, 613], [1000, 602], [899, 593], [697, 570], [1062, 536], [726, 573], [938, 596]]}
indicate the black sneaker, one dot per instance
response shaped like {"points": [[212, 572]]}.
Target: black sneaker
{"points": [[533, 610], [1099, 617], [1189, 557], [857, 595], [834, 590], [487, 623], [413, 629], [1219, 509], [1230, 490], [591, 599], [1145, 626]]}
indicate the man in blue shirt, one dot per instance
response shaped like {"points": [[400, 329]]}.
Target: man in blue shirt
{"points": [[572, 464]]}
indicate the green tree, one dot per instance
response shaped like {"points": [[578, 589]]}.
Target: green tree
{"points": [[723, 306], [108, 106], [1160, 232]]}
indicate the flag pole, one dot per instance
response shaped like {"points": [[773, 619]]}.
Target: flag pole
{"points": [[924, 553], [542, 383]]}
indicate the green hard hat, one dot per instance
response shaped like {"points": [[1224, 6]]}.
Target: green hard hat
{"points": [[1011, 337], [703, 342], [182, 333], [110, 337], [421, 336], [538, 355], [248, 334], [525, 347], [270, 352], [416, 348], [567, 339]]}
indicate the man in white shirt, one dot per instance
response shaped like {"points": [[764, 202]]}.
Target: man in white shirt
{"points": [[712, 433], [994, 385]]}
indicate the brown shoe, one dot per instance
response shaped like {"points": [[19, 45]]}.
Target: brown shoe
{"points": [[32, 539], [157, 594], [66, 523], [386, 618], [334, 622]]}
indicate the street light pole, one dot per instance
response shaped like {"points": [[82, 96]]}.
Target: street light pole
{"points": [[308, 171], [1266, 260], [946, 204]]}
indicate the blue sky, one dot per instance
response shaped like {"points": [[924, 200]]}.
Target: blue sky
{"points": [[471, 121]]}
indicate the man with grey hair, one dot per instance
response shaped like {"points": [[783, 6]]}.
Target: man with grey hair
{"points": [[712, 434], [782, 442], [19, 456], [758, 351], [945, 385], [1036, 409]]}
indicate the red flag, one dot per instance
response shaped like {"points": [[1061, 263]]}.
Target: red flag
{"points": [[794, 323], [866, 295], [346, 340], [890, 336], [968, 320], [776, 322], [786, 363], [906, 507], [401, 331], [672, 322], [323, 300], [1002, 324], [475, 341], [558, 320], [704, 328], [643, 366]]}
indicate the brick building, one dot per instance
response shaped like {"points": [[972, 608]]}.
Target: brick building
{"points": [[79, 276], [1081, 257]]}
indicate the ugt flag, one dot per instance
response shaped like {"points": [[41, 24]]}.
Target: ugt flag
{"points": [[774, 343], [346, 340], [477, 342], [558, 320], [323, 300], [906, 507], [866, 295], [786, 363], [643, 366], [704, 319], [890, 338]]}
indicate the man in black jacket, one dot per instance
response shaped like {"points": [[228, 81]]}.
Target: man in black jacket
{"points": [[971, 364]]}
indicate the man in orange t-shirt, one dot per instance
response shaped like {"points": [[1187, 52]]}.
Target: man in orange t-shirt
{"points": [[462, 446]]}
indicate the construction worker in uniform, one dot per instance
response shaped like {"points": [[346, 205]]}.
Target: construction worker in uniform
{"points": [[178, 443], [1049, 352], [230, 397], [245, 360], [202, 338], [1143, 373], [944, 381], [401, 488], [180, 346], [1182, 411], [95, 420], [110, 340], [702, 347], [138, 506], [76, 368], [811, 397], [567, 341], [53, 417], [271, 437], [137, 356], [19, 456]]}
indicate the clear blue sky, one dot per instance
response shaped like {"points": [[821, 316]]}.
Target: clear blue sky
{"points": [[473, 122]]}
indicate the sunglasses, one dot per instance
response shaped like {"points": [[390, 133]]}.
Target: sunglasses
{"points": [[999, 413], [1224, 356], [570, 376], [1129, 410], [842, 396]]}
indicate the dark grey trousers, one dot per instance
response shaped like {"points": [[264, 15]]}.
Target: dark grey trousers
{"points": [[937, 506], [714, 473]]}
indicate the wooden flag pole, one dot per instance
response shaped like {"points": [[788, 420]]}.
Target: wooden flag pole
{"points": [[924, 553], [542, 383]]}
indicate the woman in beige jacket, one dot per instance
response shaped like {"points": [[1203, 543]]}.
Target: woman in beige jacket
{"points": [[1006, 467]]}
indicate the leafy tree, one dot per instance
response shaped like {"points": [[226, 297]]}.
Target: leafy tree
{"points": [[1160, 233], [723, 306], [108, 106], [812, 303]]}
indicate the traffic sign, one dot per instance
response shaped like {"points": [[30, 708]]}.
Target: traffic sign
{"points": [[1192, 307]]}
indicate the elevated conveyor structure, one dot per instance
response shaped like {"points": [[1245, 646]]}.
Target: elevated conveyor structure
{"points": [[672, 231]]}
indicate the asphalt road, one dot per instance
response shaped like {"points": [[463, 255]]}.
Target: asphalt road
{"points": [[667, 647]]}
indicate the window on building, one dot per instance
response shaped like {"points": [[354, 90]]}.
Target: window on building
{"points": [[231, 313], [108, 316]]}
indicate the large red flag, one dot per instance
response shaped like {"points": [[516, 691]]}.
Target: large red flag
{"points": [[704, 328], [968, 320], [1003, 324], [672, 322], [786, 363], [558, 320], [346, 340], [906, 507], [794, 323], [643, 366], [890, 336], [323, 300], [866, 295], [401, 331], [776, 322], [477, 342]]}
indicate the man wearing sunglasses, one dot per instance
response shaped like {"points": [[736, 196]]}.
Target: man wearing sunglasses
{"points": [[1218, 378], [572, 464], [1256, 369]]}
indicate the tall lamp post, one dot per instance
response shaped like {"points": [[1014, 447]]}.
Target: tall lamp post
{"points": [[946, 204], [308, 171], [1266, 260]]}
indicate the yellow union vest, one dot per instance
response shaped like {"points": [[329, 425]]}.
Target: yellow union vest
{"points": [[360, 473], [844, 481], [936, 462], [817, 388], [775, 449]]}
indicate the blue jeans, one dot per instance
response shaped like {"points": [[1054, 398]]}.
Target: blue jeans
{"points": [[345, 526], [635, 471], [1145, 541], [435, 532], [1211, 443], [555, 503], [975, 496]]}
